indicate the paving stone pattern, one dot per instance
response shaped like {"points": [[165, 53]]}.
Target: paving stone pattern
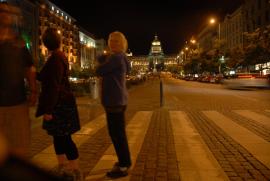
{"points": [[235, 160], [157, 158], [251, 125]]}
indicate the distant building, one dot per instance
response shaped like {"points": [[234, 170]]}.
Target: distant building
{"points": [[206, 38], [232, 29], [156, 56], [101, 46], [156, 60], [52, 16], [256, 14], [88, 49]]}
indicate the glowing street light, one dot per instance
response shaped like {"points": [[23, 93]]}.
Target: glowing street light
{"points": [[212, 21], [193, 41]]}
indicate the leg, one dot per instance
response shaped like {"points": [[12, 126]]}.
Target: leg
{"points": [[71, 153], [116, 126], [59, 145], [72, 156], [15, 126]]}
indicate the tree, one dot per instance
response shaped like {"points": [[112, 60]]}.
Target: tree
{"points": [[257, 47], [236, 58]]}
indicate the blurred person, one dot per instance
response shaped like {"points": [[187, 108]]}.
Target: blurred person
{"points": [[16, 64], [58, 107], [113, 67], [13, 168]]}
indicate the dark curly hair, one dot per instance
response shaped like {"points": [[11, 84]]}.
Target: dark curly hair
{"points": [[51, 39]]}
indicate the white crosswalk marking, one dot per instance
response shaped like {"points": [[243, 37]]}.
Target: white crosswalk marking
{"points": [[254, 116], [195, 160], [136, 131], [47, 159], [256, 145]]}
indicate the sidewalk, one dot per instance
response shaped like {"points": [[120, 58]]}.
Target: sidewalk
{"points": [[173, 144]]}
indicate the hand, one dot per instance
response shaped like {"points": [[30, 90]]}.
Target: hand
{"points": [[47, 117]]}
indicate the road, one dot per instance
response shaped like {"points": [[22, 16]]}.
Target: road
{"points": [[203, 96]]}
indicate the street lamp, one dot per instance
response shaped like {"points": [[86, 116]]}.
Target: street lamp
{"points": [[213, 21]]}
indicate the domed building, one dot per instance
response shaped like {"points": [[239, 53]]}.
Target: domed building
{"points": [[156, 56], [156, 60]]}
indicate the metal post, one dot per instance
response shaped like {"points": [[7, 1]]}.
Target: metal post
{"points": [[219, 45], [161, 91]]}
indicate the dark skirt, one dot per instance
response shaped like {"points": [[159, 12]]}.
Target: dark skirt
{"points": [[65, 120]]}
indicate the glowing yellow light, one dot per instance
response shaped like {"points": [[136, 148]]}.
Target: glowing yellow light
{"points": [[212, 21], [58, 31], [193, 41]]}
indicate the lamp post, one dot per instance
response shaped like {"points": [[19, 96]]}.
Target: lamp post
{"points": [[213, 21]]}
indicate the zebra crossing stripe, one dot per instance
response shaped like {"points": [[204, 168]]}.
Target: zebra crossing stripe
{"points": [[47, 159], [136, 131], [254, 116], [195, 160], [256, 145]]}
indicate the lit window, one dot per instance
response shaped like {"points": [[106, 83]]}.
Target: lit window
{"points": [[62, 14], [52, 8], [66, 17], [57, 11]]}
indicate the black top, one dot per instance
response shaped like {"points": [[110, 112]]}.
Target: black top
{"points": [[14, 59], [52, 79]]}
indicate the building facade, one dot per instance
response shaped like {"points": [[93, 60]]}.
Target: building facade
{"points": [[232, 29], [52, 16], [256, 14], [87, 48], [101, 46], [206, 38], [156, 56]]}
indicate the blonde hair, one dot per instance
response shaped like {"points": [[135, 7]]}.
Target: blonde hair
{"points": [[121, 37]]}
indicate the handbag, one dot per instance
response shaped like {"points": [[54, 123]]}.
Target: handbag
{"points": [[65, 120]]}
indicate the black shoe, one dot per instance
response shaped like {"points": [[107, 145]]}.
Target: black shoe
{"points": [[117, 171]]}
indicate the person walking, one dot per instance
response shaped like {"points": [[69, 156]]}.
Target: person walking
{"points": [[113, 67], [57, 105], [16, 64]]}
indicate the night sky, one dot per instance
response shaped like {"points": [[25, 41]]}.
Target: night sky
{"points": [[173, 21]]}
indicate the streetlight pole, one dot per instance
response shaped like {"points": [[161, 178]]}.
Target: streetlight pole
{"points": [[213, 21]]}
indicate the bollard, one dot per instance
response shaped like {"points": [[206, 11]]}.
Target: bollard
{"points": [[161, 92]]}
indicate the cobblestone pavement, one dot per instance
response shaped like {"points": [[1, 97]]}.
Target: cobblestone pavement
{"points": [[235, 160], [157, 157]]}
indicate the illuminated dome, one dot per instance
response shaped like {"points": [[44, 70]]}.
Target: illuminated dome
{"points": [[156, 46], [156, 56]]}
